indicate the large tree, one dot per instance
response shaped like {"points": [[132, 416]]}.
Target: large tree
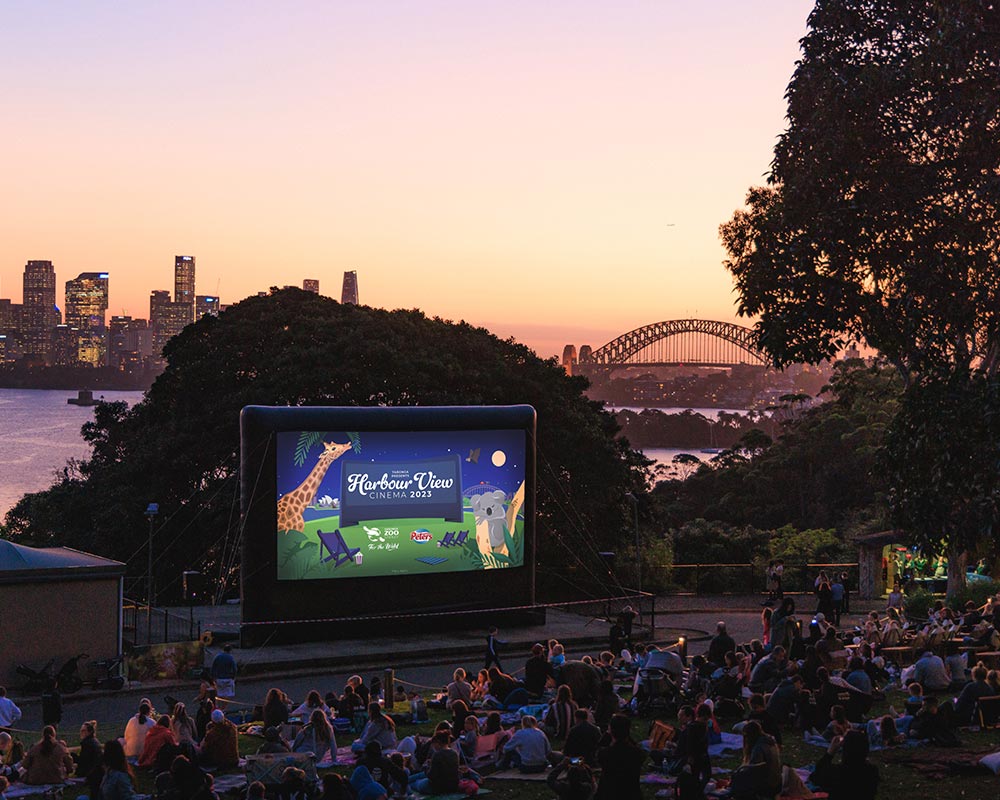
{"points": [[180, 445], [881, 220]]}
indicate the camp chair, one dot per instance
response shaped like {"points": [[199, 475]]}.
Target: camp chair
{"points": [[447, 541], [462, 536], [267, 767], [336, 547], [989, 711]]}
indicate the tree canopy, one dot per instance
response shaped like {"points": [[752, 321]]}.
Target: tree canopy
{"points": [[180, 445], [881, 221], [881, 225]]}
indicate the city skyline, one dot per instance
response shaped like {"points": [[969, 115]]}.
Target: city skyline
{"points": [[580, 157]]}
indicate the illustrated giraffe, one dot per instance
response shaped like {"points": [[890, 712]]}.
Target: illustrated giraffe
{"points": [[291, 505]]}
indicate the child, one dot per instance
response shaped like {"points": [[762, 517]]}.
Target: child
{"points": [[558, 656], [915, 699], [469, 737], [839, 724], [418, 708]]}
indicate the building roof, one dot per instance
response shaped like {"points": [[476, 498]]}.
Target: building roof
{"points": [[19, 563]]}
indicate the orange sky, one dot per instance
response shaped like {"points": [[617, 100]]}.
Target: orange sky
{"points": [[514, 164]]}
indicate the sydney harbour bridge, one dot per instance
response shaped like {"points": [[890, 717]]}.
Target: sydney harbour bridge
{"points": [[688, 342]]}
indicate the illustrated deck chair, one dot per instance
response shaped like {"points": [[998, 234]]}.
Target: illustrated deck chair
{"points": [[462, 536], [448, 540], [335, 545]]}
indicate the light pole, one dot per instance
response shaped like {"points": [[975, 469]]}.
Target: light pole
{"points": [[151, 511], [638, 556]]}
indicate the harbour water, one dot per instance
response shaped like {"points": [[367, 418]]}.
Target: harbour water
{"points": [[39, 434]]}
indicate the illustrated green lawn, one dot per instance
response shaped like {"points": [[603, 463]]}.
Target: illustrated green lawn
{"points": [[390, 551]]}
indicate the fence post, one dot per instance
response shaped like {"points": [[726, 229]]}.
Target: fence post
{"points": [[387, 687], [697, 578], [752, 574], [166, 626]]}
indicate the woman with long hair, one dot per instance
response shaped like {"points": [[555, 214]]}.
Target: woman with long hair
{"points": [[380, 728], [316, 737], [459, 711], [117, 781], [312, 702], [48, 761], [183, 726], [275, 709], [559, 717], [137, 728]]}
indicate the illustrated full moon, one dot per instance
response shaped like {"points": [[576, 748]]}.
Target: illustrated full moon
{"points": [[499, 458]]}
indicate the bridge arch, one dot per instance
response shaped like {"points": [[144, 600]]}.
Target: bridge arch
{"points": [[741, 344]]}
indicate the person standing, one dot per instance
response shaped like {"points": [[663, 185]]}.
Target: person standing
{"points": [[493, 643], [837, 598], [9, 713], [224, 673], [845, 581]]}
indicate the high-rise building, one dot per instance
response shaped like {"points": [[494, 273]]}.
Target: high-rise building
{"points": [[39, 314], [131, 343], [64, 345], [206, 305], [166, 318], [184, 281], [310, 285], [87, 300], [10, 316], [350, 290]]}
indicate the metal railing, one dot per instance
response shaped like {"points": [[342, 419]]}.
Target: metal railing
{"points": [[142, 625]]}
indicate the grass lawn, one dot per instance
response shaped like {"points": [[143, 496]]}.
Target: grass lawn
{"points": [[897, 781]]}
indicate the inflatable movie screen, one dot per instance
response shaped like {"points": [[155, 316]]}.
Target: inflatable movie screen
{"points": [[356, 504]]}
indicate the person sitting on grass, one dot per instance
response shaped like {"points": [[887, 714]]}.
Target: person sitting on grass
{"points": [[855, 778], [559, 716], [579, 781], [349, 703], [383, 769], [159, 736], [184, 781], [48, 761], [317, 738], [116, 782], [312, 702], [933, 723], [759, 775], [256, 791], [273, 743], [220, 747], [620, 763], [294, 785], [90, 753], [137, 728], [965, 703], [527, 750], [883, 732], [379, 728], [582, 740], [336, 787], [459, 688]]}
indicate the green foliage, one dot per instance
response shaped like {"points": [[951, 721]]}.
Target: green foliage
{"points": [[180, 446], [813, 546], [355, 438], [976, 591], [820, 473], [918, 603]]}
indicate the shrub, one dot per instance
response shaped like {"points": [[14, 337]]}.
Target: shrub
{"points": [[918, 603]]}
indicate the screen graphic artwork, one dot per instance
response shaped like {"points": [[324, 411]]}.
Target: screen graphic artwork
{"points": [[372, 503]]}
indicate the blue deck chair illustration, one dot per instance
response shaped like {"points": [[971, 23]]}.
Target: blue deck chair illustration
{"points": [[335, 545], [448, 539], [462, 536]]}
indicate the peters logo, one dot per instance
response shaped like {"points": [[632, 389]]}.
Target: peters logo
{"points": [[421, 536]]}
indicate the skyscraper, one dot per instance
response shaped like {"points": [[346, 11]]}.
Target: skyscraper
{"points": [[166, 319], [87, 300], [310, 285], [184, 281], [39, 314], [350, 290]]}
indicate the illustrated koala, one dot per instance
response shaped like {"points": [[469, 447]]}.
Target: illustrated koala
{"points": [[489, 508]]}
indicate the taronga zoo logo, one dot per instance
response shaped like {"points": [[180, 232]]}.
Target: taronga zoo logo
{"points": [[421, 536]]}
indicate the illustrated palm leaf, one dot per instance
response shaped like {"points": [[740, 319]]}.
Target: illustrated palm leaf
{"points": [[307, 441], [355, 439]]}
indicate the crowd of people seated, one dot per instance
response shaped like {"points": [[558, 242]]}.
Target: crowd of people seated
{"points": [[808, 676]]}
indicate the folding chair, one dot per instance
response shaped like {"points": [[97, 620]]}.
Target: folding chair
{"points": [[462, 536], [267, 767], [335, 545], [447, 541], [989, 711]]}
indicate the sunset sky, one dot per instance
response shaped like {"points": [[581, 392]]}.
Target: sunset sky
{"points": [[555, 171]]}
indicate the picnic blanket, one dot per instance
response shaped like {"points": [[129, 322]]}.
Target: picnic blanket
{"points": [[940, 762], [730, 741], [517, 775], [229, 783]]}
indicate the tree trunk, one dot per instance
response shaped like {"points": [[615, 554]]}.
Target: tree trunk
{"points": [[956, 570]]}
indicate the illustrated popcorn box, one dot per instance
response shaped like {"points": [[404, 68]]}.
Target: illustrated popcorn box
{"points": [[358, 558]]}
